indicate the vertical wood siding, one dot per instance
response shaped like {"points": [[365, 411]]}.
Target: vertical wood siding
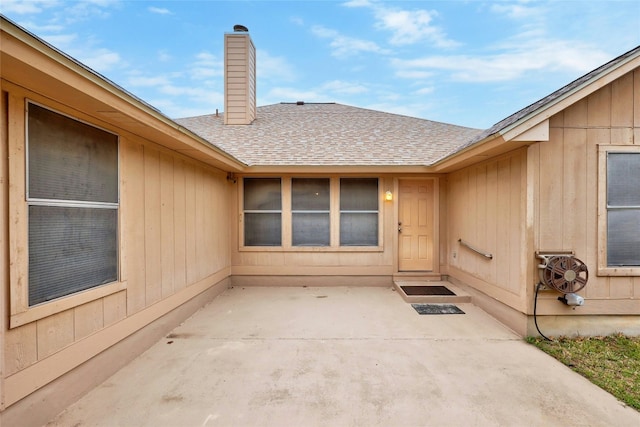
{"points": [[567, 183], [486, 208], [4, 227], [277, 262], [173, 233]]}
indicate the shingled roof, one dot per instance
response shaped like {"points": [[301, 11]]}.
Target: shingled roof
{"points": [[310, 134]]}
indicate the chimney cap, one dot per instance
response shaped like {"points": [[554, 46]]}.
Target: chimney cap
{"points": [[240, 28]]}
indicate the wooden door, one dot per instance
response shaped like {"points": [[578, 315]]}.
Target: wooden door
{"points": [[415, 225]]}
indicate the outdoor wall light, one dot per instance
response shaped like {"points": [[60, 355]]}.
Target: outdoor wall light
{"points": [[388, 196]]}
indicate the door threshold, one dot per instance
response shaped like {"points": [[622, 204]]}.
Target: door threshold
{"points": [[417, 275]]}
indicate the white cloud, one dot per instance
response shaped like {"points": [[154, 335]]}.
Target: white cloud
{"points": [[22, 7], [344, 46], [407, 26], [146, 81], [518, 10], [42, 28], [87, 10], [103, 3], [182, 91], [510, 64], [273, 67], [206, 65], [61, 41], [345, 88], [100, 60], [425, 90], [412, 74], [159, 10], [201, 103], [164, 56], [288, 94], [297, 21], [357, 3]]}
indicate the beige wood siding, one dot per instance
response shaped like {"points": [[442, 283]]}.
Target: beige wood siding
{"points": [[4, 237], [486, 208], [342, 261], [174, 244], [565, 184]]}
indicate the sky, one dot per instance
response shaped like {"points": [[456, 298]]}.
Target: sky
{"points": [[470, 63]]}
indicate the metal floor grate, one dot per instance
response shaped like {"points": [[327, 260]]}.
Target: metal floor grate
{"points": [[437, 309]]}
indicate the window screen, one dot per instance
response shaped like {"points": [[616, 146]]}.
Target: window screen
{"points": [[262, 212], [359, 211], [623, 209], [70, 160], [70, 250], [310, 209], [73, 205]]}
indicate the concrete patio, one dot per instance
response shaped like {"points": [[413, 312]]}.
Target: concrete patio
{"points": [[342, 357]]}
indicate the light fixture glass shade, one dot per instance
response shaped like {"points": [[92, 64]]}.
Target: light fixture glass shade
{"points": [[388, 195]]}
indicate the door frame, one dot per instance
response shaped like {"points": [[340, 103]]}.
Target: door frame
{"points": [[436, 224]]}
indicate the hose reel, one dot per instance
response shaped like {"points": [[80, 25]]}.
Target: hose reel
{"points": [[565, 274]]}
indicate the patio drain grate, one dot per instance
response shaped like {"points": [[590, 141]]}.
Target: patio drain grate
{"points": [[426, 290], [437, 309]]}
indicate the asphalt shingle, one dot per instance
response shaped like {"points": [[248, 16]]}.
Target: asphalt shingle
{"points": [[331, 134]]}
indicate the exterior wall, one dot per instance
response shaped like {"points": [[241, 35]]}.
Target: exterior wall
{"points": [[4, 235], [338, 266], [565, 180], [486, 208], [173, 243], [326, 266], [545, 197]]}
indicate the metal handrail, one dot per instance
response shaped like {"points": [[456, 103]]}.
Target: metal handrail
{"points": [[476, 250]]}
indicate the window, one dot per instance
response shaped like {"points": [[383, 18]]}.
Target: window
{"points": [[310, 213], [310, 210], [358, 212], [72, 198], [262, 212], [623, 209]]}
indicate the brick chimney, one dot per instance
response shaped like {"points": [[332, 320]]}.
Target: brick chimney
{"points": [[239, 77]]}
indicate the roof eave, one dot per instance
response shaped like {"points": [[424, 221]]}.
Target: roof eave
{"points": [[336, 169], [490, 144], [572, 96], [56, 55]]}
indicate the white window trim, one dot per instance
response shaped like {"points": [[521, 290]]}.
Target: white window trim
{"points": [[20, 311], [287, 237], [603, 268]]}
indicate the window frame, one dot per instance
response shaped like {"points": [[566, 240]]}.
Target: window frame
{"points": [[311, 211], [603, 268], [287, 216], [262, 212], [21, 313], [346, 212]]}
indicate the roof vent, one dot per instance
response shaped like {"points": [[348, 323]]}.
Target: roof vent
{"points": [[240, 28], [300, 103]]}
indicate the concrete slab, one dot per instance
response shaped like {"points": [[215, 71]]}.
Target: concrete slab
{"points": [[342, 357], [460, 295]]}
